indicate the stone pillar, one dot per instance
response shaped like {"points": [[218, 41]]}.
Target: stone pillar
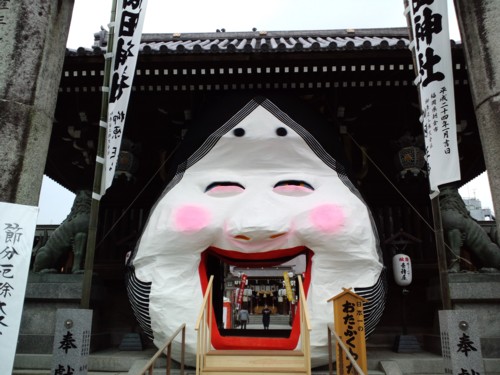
{"points": [[460, 344], [479, 25], [71, 341], [33, 38]]}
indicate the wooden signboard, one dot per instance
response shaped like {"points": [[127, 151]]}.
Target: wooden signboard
{"points": [[349, 325]]}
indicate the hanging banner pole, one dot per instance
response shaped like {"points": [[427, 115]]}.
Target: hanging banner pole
{"points": [[125, 46], [431, 27], [124, 39], [99, 166], [430, 46]]}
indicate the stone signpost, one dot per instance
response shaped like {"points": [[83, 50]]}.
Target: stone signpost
{"points": [[72, 341], [460, 342]]}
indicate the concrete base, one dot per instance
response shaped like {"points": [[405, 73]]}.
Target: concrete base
{"points": [[479, 292], [45, 294]]}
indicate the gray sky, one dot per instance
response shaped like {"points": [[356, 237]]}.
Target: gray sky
{"points": [[163, 16]]}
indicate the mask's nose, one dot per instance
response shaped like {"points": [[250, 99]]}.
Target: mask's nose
{"points": [[257, 222], [256, 235]]}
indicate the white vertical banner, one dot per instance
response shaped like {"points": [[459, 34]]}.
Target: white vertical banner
{"points": [[17, 231], [431, 48], [127, 38]]}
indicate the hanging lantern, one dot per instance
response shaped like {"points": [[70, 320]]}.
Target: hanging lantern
{"points": [[410, 160], [401, 267], [128, 163]]}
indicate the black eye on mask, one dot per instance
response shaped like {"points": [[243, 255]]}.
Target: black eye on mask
{"points": [[294, 183], [223, 183]]}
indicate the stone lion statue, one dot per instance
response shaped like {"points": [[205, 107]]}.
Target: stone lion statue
{"points": [[462, 230], [71, 235]]}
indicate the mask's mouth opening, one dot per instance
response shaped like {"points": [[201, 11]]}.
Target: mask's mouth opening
{"points": [[265, 285]]}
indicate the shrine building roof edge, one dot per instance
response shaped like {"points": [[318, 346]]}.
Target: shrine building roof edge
{"points": [[261, 41]]}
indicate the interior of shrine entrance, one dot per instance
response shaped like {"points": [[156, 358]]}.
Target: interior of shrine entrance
{"points": [[252, 287]]}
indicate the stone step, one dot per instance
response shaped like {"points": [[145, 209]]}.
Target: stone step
{"points": [[275, 319], [292, 360], [114, 362]]}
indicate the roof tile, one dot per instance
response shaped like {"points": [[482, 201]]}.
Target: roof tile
{"points": [[270, 41]]}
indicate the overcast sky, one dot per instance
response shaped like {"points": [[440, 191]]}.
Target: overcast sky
{"points": [[163, 16]]}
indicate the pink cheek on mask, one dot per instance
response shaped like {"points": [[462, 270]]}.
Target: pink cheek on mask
{"points": [[327, 218], [191, 218]]}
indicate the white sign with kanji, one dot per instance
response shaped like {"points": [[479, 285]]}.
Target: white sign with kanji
{"points": [[431, 47], [17, 231], [127, 39]]}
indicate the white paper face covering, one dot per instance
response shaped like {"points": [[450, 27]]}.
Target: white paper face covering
{"points": [[263, 187]]}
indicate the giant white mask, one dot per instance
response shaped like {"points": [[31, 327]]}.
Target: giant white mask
{"points": [[260, 188]]}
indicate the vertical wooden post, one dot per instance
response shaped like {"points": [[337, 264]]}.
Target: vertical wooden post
{"points": [[96, 195], [436, 210], [441, 254]]}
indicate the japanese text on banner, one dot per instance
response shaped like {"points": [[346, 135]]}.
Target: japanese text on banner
{"points": [[429, 20], [127, 38], [17, 230]]}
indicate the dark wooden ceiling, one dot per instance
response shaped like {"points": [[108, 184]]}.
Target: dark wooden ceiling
{"points": [[363, 86]]}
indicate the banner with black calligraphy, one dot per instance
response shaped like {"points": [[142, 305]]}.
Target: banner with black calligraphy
{"points": [[17, 231], [127, 38], [432, 52]]}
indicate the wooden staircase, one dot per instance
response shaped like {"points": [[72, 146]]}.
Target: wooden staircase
{"points": [[254, 362], [250, 362]]}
